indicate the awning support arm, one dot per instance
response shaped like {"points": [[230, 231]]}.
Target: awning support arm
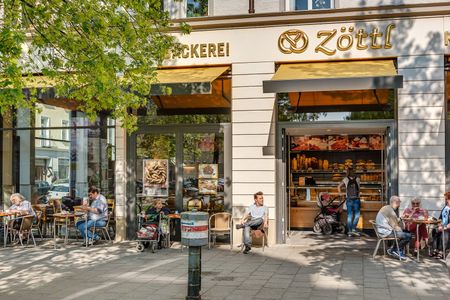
{"points": [[298, 102], [376, 96]]}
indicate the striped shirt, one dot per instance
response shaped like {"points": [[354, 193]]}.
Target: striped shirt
{"points": [[102, 209]]}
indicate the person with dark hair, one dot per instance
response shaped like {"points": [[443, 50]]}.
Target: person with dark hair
{"points": [[255, 215], [97, 214], [353, 202]]}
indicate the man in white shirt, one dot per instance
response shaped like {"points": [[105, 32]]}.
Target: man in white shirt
{"points": [[255, 215], [388, 222]]}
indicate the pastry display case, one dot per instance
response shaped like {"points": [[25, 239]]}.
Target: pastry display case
{"points": [[319, 163]]}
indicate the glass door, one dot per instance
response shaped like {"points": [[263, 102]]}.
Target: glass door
{"points": [[203, 171], [155, 169]]}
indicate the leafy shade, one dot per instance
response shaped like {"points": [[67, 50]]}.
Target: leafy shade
{"points": [[102, 54]]}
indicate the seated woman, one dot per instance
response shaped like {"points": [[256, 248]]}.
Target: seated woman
{"points": [[415, 211], [152, 217], [152, 214]]}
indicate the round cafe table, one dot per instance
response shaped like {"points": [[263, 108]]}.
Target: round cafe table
{"points": [[5, 215], [66, 217], [419, 222]]}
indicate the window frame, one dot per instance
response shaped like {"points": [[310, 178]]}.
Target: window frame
{"points": [[186, 9], [45, 132], [310, 5]]}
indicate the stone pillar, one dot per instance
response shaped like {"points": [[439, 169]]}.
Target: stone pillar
{"points": [[121, 182], [7, 161], [26, 151]]}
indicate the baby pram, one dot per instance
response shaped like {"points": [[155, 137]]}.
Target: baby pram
{"points": [[327, 220], [152, 232]]}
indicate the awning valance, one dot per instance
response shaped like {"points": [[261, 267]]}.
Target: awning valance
{"points": [[334, 76], [186, 81], [192, 90]]}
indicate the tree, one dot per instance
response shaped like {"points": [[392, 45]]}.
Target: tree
{"points": [[100, 53]]}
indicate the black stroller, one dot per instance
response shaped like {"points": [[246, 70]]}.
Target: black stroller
{"points": [[327, 220]]}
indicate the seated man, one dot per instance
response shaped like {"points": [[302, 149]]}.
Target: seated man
{"points": [[255, 215], [388, 222], [97, 215]]}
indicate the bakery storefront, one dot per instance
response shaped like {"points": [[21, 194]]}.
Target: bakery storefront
{"points": [[287, 111], [332, 116]]}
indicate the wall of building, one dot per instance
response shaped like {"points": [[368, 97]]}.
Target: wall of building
{"points": [[251, 116], [418, 45]]}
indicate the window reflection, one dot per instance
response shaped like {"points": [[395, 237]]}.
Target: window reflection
{"points": [[56, 149]]}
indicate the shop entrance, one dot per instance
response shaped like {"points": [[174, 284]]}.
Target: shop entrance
{"points": [[316, 159], [187, 166], [333, 115]]}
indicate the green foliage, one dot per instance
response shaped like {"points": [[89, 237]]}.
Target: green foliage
{"points": [[103, 54], [286, 113], [386, 114]]}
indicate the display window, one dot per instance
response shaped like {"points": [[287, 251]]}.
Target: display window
{"points": [[331, 120], [184, 167]]}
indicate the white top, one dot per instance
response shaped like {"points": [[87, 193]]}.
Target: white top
{"points": [[257, 211]]}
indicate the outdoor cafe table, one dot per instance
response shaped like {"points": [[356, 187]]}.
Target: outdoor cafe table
{"points": [[5, 215], [67, 217], [419, 222]]}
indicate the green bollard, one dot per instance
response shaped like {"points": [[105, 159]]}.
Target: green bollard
{"points": [[194, 234], [194, 273]]}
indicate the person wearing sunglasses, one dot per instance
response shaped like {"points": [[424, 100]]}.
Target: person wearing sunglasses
{"points": [[416, 212]]}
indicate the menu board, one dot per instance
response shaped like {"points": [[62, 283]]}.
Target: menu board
{"points": [[300, 143], [206, 171], [358, 142], [318, 142], [155, 177], [337, 142], [207, 186], [376, 142]]}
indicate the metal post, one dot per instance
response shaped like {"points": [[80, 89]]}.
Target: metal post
{"points": [[251, 6], [194, 273]]}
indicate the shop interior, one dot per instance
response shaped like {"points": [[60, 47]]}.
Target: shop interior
{"points": [[317, 160]]}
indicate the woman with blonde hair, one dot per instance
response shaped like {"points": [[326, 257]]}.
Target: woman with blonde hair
{"points": [[416, 212]]}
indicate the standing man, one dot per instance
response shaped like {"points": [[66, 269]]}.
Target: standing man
{"points": [[97, 215], [255, 215], [352, 186], [388, 222]]}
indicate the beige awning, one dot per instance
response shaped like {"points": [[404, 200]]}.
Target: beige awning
{"points": [[186, 81], [334, 76], [196, 89]]}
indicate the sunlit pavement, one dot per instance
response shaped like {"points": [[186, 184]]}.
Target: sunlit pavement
{"points": [[309, 267]]}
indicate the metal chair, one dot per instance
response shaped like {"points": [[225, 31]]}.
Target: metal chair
{"points": [[382, 239], [103, 229], [38, 223], [25, 229], [220, 224]]}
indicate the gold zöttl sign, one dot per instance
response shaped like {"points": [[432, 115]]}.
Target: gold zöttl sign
{"points": [[331, 41]]}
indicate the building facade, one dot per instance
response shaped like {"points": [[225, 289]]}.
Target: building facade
{"points": [[280, 101]]}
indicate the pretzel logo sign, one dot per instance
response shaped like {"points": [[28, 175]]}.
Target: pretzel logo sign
{"points": [[293, 41]]}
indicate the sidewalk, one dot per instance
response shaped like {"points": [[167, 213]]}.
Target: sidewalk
{"points": [[309, 267]]}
